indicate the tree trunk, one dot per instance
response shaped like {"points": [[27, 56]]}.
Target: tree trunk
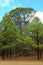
{"points": [[16, 52], [38, 51], [40, 54], [10, 53], [3, 54], [20, 28]]}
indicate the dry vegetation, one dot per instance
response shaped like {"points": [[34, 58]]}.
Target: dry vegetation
{"points": [[18, 62]]}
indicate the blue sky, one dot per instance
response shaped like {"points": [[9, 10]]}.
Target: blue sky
{"points": [[7, 5]]}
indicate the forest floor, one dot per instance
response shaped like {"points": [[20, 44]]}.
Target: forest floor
{"points": [[20, 62]]}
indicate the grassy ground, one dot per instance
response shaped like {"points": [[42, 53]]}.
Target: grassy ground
{"points": [[32, 60], [18, 62]]}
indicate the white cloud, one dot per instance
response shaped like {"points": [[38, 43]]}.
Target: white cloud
{"points": [[5, 3], [40, 15], [37, 14]]}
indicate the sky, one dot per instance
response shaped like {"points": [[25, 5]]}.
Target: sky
{"points": [[8, 5]]}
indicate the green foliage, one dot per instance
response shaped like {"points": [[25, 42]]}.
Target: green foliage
{"points": [[35, 30], [10, 33]]}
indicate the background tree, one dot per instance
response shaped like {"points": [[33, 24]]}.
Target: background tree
{"points": [[35, 30], [22, 16], [10, 34]]}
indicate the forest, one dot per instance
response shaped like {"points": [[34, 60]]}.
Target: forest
{"points": [[21, 34]]}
